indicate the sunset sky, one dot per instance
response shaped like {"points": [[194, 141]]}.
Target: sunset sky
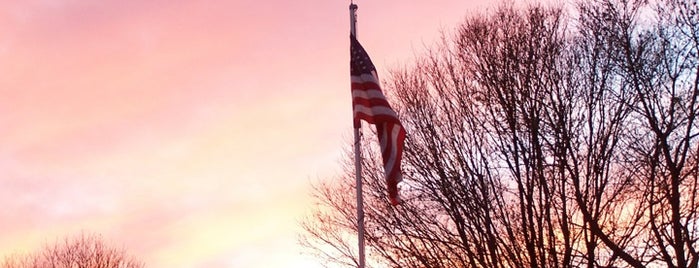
{"points": [[187, 131]]}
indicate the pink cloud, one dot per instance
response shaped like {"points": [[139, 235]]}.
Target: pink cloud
{"points": [[185, 130]]}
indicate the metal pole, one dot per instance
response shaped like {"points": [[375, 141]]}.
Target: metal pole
{"points": [[358, 159]]}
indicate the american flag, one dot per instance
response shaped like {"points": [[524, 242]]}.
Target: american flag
{"points": [[369, 104]]}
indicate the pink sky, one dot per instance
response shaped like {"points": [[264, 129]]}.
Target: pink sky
{"points": [[187, 131]]}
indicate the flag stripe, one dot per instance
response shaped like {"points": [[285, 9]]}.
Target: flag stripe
{"points": [[370, 104], [367, 93], [372, 116], [365, 78]]}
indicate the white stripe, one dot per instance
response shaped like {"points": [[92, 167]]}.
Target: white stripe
{"points": [[383, 138], [375, 110], [368, 94], [364, 78], [393, 154]]}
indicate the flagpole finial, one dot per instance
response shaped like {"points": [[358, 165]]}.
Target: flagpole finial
{"points": [[353, 18]]}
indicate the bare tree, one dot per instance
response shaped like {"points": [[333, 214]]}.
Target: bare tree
{"points": [[655, 61], [83, 251], [539, 139]]}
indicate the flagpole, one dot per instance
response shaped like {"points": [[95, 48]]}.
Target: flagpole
{"points": [[357, 159]]}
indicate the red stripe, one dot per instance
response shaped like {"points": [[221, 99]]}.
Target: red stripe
{"points": [[365, 85], [375, 119], [370, 102]]}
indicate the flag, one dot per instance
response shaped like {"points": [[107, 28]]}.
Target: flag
{"points": [[369, 104]]}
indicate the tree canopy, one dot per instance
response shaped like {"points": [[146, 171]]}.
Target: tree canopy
{"points": [[83, 251]]}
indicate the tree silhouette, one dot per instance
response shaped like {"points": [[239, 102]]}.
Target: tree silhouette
{"points": [[539, 138], [83, 251]]}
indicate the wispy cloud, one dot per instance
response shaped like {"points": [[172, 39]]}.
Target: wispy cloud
{"points": [[185, 130]]}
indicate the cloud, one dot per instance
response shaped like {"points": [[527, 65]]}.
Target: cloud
{"points": [[185, 130]]}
